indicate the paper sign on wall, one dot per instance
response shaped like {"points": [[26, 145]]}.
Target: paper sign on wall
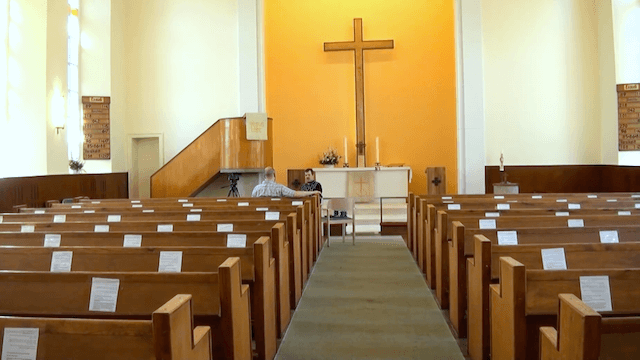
{"points": [[596, 292], [59, 218], [224, 227], [61, 261], [272, 215], [104, 294], [554, 259], [236, 240], [52, 240], [575, 223], [507, 238], [132, 240], [487, 223], [165, 228], [20, 343], [609, 236], [170, 261]]}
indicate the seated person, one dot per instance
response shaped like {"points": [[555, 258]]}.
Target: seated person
{"points": [[310, 182], [269, 187]]}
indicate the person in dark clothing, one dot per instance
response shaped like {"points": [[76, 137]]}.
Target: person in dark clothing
{"points": [[310, 182]]}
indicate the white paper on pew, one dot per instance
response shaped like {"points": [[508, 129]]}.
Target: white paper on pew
{"points": [[275, 199], [20, 343], [61, 261], [498, 197], [609, 236], [59, 218], [27, 228], [512, 201], [624, 213], [574, 206], [39, 212], [447, 198], [487, 223], [76, 206], [272, 215], [95, 202], [536, 196], [561, 200], [193, 217], [148, 211], [132, 240], [187, 205], [453, 207], [89, 211], [52, 240], [297, 203], [221, 200], [492, 214], [636, 205], [135, 201], [170, 261], [136, 205], [262, 209], [447, 202], [1, 218], [592, 196], [596, 292], [507, 238], [236, 240], [101, 228], [114, 218], [554, 259], [183, 200], [104, 294], [612, 200], [165, 228], [575, 223], [243, 204], [224, 227], [503, 206], [195, 210], [635, 196], [562, 213]]}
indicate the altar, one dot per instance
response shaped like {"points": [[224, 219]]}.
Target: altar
{"points": [[387, 182]]}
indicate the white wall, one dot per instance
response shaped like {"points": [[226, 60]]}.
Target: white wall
{"points": [[608, 96], [541, 80], [626, 25]]}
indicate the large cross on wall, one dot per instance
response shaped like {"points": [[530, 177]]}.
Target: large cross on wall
{"points": [[358, 45]]}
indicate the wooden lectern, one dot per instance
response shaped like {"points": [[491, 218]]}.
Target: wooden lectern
{"points": [[436, 180]]}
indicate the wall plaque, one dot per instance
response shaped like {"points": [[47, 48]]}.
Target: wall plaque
{"points": [[628, 117], [96, 128]]}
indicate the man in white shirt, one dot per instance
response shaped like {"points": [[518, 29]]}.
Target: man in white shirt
{"points": [[269, 187]]}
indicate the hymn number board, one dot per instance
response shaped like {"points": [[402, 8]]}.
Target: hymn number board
{"points": [[628, 117], [95, 127]]}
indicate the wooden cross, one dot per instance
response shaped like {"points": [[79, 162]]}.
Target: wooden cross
{"points": [[358, 45]]}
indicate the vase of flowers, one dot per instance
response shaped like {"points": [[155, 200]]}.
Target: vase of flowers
{"points": [[76, 166], [330, 158]]}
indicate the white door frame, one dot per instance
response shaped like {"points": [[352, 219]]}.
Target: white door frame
{"points": [[131, 138]]}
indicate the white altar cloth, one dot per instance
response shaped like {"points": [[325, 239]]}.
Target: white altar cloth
{"points": [[389, 182]]}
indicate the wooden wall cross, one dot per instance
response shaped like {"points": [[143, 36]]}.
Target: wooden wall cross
{"points": [[358, 45]]}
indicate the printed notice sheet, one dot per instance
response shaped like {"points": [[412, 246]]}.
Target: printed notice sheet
{"points": [[61, 261], [503, 206], [447, 198], [52, 240], [20, 343], [536, 196], [95, 202], [609, 236], [236, 240], [132, 240], [59, 218], [1, 218], [592, 196], [135, 201], [453, 207], [624, 213], [636, 205], [275, 199], [89, 211], [562, 213], [554, 259], [170, 261], [272, 215], [507, 238], [114, 218], [76, 206], [612, 200], [104, 294], [187, 205], [574, 206], [195, 210], [39, 212], [596, 292], [165, 228], [101, 228], [575, 223], [487, 223], [193, 217], [262, 209], [561, 200], [136, 206], [243, 204], [183, 200], [492, 214], [224, 227], [148, 211], [221, 200], [296, 203], [27, 228], [498, 197]]}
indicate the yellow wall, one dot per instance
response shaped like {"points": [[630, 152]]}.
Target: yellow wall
{"points": [[409, 91]]}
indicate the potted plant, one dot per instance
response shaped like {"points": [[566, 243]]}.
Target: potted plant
{"points": [[76, 165], [330, 158]]}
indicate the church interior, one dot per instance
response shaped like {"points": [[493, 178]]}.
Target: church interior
{"points": [[477, 161]]}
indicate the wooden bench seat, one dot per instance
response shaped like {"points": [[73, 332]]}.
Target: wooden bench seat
{"points": [[168, 335]]}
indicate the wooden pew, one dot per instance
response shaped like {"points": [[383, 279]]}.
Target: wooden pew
{"points": [[219, 299], [168, 335], [584, 334], [525, 300]]}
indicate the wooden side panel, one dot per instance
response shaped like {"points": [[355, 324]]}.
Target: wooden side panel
{"points": [[508, 323], [442, 261], [457, 281], [479, 273]]}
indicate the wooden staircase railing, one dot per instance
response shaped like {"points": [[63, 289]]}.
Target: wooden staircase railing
{"points": [[223, 147]]}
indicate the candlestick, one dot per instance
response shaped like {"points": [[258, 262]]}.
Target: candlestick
{"points": [[501, 161], [346, 157], [377, 149]]}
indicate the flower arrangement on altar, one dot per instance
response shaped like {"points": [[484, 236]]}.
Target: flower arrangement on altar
{"points": [[76, 165], [330, 157]]}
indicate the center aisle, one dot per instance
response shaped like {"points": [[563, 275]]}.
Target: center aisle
{"points": [[367, 301]]}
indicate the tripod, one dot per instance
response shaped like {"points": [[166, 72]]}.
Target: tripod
{"points": [[233, 182]]}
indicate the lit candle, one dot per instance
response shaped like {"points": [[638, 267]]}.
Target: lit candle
{"points": [[377, 150], [346, 161]]}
